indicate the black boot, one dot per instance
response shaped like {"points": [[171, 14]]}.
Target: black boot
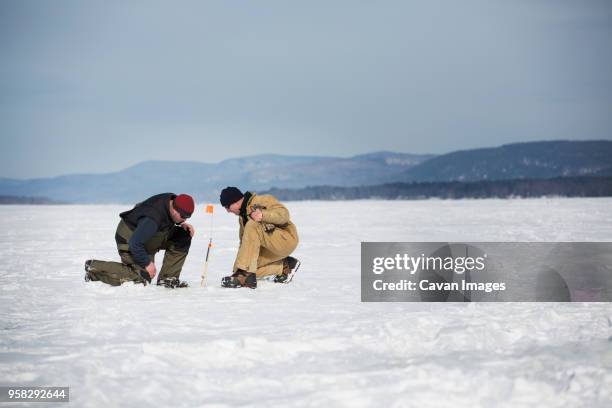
{"points": [[290, 267], [87, 268], [172, 283], [240, 279]]}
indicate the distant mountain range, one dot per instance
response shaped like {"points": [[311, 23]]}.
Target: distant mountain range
{"points": [[204, 180], [519, 161]]}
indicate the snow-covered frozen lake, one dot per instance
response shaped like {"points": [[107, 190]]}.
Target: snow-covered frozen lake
{"points": [[310, 343]]}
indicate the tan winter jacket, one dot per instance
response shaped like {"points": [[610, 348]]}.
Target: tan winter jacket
{"points": [[275, 215]]}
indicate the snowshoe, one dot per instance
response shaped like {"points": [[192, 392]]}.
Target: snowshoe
{"points": [[172, 283], [290, 267], [240, 279]]}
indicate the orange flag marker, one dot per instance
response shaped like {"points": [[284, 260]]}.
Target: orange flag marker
{"points": [[209, 210]]}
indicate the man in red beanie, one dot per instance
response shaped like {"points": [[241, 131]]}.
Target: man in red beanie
{"points": [[154, 224]]}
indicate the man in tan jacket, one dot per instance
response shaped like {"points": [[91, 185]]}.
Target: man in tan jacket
{"points": [[267, 238]]}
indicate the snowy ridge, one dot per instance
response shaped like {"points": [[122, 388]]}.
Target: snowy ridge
{"points": [[310, 343]]}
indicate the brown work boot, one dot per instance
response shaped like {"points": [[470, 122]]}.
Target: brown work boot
{"points": [[290, 267], [240, 279]]}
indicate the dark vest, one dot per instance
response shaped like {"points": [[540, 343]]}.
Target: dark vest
{"points": [[156, 208]]}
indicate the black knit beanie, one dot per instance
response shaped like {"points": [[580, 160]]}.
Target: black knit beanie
{"points": [[229, 195]]}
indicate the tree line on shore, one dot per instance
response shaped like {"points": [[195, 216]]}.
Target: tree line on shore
{"points": [[560, 186], [527, 188]]}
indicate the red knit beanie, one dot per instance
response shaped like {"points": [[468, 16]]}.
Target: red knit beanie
{"points": [[183, 203]]}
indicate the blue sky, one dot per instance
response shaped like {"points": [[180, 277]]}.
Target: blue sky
{"points": [[91, 87]]}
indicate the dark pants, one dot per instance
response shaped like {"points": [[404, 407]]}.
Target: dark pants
{"points": [[175, 242]]}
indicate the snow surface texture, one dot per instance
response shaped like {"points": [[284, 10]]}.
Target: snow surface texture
{"points": [[310, 343]]}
